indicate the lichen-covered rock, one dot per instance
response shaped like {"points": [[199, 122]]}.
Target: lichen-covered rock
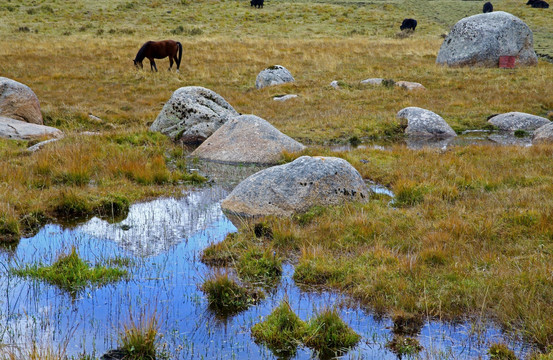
{"points": [[19, 102], [274, 75], [21, 130], [192, 114], [543, 134], [422, 122], [247, 139], [409, 85], [518, 121], [480, 40], [296, 187]]}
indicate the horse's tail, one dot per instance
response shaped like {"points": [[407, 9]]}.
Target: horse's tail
{"points": [[180, 54]]}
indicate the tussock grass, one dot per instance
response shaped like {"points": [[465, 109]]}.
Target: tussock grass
{"points": [[71, 273], [260, 267], [404, 346], [328, 335], [138, 340], [282, 331], [226, 297], [501, 352]]}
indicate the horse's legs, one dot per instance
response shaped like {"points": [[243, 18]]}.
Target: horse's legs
{"points": [[171, 62], [153, 65]]}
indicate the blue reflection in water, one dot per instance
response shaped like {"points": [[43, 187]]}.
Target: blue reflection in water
{"points": [[165, 238]]}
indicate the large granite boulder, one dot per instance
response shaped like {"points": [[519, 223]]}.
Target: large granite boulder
{"points": [[274, 75], [19, 102], [480, 40], [247, 139], [21, 130], [518, 121], [296, 187], [192, 114], [422, 122], [543, 134]]}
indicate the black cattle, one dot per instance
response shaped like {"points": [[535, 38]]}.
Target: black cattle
{"points": [[257, 3], [488, 7], [408, 24], [538, 4]]}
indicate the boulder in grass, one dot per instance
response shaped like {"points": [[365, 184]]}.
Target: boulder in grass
{"points": [[192, 114], [480, 40], [409, 85], [422, 122], [21, 130], [543, 134], [274, 75], [514, 121], [19, 102], [372, 81], [247, 139], [296, 187]]}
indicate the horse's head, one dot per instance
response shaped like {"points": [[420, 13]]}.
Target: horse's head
{"points": [[138, 64]]}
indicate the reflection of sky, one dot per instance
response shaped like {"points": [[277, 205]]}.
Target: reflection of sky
{"points": [[165, 280]]}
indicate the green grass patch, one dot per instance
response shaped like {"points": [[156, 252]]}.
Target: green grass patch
{"points": [[260, 267], [138, 340], [404, 346], [226, 297], [282, 331], [71, 273]]}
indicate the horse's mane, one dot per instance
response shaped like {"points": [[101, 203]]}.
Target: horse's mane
{"points": [[140, 54]]}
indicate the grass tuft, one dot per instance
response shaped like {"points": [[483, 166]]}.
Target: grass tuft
{"points": [[282, 331], [499, 351], [404, 346], [260, 267], [226, 297], [138, 340]]}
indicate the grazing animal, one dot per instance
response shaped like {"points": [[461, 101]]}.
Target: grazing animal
{"points": [[159, 50], [488, 7], [257, 3], [408, 24], [538, 4]]}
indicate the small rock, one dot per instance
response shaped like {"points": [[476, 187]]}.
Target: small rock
{"points": [[334, 84], [543, 134], [517, 121], [422, 122], [19, 102], [296, 187], [285, 97], [410, 85], [95, 119], [21, 130], [40, 145], [247, 139], [372, 81], [274, 75]]}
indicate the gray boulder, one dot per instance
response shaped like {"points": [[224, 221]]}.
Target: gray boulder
{"points": [[480, 40], [21, 130], [274, 75], [543, 134], [19, 102], [518, 121], [247, 139], [296, 187], [192, 114], [421, 122]]}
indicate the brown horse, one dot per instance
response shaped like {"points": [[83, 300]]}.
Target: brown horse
{"points": [[159, 50]]}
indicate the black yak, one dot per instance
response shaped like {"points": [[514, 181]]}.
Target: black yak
{"points": [[408, 24], [538, 4], [257, 3], [488, 7]]}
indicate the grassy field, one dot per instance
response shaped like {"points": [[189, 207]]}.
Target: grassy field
{"points": [[472, 232]]}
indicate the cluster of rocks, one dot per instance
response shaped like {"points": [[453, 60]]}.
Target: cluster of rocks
{"points": [[20, 115], [540, 127], [196, 114]]}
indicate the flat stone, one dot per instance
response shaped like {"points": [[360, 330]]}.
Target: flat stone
{"points": [[21, 130], [372, 81], [518, 121], [285, 97], [408, 85]]}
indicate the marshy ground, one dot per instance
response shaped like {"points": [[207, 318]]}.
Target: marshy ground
{"points": [[468, 236]]}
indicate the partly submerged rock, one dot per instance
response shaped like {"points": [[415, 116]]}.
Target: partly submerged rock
{"points": [[274, 75], [21, 130], [480, 40], [422, 122], [518, 121], [247, 139], [192, 114], [296, 187], [19, 102], [543, 134]]}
